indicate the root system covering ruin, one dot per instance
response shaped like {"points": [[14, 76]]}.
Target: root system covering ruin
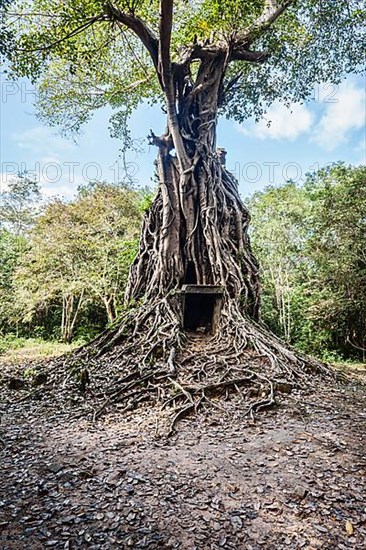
{"points": [[149, 361]]}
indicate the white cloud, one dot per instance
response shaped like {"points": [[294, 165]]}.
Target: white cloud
{"points": [[59, 191], [50, 160], [41, 140], [56, 182], [345, 114], [53, 182], [284, 123], [50, 164]]}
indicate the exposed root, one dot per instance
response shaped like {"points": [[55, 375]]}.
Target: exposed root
{"points": [[243, 367]]}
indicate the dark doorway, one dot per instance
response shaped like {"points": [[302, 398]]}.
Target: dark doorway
{"points": [[202, 305], [191, 277], [198, 312]]}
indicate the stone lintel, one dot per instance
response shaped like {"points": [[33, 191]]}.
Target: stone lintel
{"points": [[203, 289]]}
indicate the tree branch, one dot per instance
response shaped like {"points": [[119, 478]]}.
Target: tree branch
{"points": [[165, 33], [138, 26], [165, 70], [272, 11], [71, 34], [243, 54], [241, 40]]}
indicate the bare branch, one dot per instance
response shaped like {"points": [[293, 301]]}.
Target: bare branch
{"points": [[165, 70], [242, 54], [165, 33], [272, 11]]}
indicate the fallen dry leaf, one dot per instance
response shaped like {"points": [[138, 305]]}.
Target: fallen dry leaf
{"points": [[349, 527]]}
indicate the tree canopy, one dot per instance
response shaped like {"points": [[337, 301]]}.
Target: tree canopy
{"points": [[86, 54], [79, 254]]}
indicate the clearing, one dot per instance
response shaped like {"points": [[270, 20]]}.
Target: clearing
{"points": [[295, 478]]}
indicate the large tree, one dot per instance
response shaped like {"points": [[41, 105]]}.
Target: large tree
{"points": [[198, 59], [19, 204]]}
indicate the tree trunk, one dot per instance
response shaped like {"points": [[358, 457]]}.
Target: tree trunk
{"points": [[108, 302], [197, 228], [70, 313], [198, 234], [196, 231]]}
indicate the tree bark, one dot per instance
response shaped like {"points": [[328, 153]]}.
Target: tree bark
{"points": [[108, 302], [70, 313], [197, 223]]}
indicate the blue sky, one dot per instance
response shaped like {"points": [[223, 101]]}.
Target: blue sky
{"points": [[329, 128]]}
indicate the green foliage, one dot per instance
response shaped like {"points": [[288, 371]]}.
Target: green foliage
{"points": [[18, 204], [337, 247], [18, 210], [278, 236], [310, 241], [6, 33], [83, 59], [11, 249], [311, 43], [78, 258], [64, 265], [10, 341]]}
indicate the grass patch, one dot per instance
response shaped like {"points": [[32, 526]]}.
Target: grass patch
{"points": [[16, 351], [350, 365], [354, 369]]}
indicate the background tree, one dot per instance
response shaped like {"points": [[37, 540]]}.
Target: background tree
{"points": [[337, 250], [18, 204], [229, 57], [110, 216], [18, 209], [11, 249], [310, 241], [78, 257], [279, 233]]}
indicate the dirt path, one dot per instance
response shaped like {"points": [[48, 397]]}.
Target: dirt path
{"points": [[295, 479]]}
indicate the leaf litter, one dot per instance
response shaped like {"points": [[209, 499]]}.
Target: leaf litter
{"points": [[295, 478]]}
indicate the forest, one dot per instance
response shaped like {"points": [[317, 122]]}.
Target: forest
{"points": [[310, 240]]}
